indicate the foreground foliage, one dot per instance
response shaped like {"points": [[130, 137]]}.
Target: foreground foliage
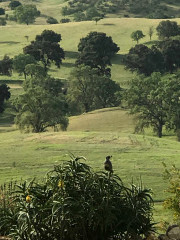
{"points": [[172, 202], [75, 203]]}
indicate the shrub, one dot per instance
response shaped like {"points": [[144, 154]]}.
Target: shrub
{"points": [[65, 20], [2, 11], [173, 201], [74, 203], [3, 22], [14, 4], [52, 20]]}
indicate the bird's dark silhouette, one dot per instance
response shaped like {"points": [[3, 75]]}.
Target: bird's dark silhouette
{"points": [[108, 164]]}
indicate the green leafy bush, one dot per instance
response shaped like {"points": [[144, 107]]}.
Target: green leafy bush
{"points": [[74, 203], [173, 201], [52, 20]]}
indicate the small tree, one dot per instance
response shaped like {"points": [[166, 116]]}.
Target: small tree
{"points": [[150, 32], [137, 35], [2, 11], [26, 14], [3, 22], [97, 19], [14, 4], [6, 66], [52, 20], [167, 29], [20, 61], [41, 105]]}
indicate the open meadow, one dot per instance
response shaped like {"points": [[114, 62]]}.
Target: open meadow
{"points": [[93, 135]]}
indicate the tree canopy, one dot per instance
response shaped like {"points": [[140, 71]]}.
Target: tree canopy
{"points": [[41, 105], [167, 29], [46, 48], [26, 13], [137, 35], [20, 61], [6, 65], [14, 4], [170, 50], [96, 51], [88, 90], [146, 98], [155, 100], [144, 60]]}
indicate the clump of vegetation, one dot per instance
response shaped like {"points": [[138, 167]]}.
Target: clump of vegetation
{"points": [[2, 11], [26, 13], [3, 22], [167, 29], [46, 48], [96, 50], [76, 203], [172, 202], [137, 35], [156, 100], [65, 20], [52, 20], [14, 4], [41, 105]]}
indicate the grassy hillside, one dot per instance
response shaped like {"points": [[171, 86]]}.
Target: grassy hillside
{"points": [[93, 135], [12, 40]]}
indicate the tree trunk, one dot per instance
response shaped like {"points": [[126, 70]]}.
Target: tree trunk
{"points": [[159, 130], [86, 106]]}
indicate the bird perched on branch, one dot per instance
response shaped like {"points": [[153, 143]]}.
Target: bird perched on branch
{"points": [[108, 164]]}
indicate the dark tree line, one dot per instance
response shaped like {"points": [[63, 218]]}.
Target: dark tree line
{"points": [[163, 57]]}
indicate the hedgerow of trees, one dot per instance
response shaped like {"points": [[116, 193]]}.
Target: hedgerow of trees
{"points": [[163, 57], [146, 8]]}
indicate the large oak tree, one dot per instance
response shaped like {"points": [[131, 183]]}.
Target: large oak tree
{"points": [[46, 48], [96, 50]]}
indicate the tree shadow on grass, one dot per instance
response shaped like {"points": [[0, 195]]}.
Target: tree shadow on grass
{"points": [[108, 24], [68, 65], [153, 42], [71, 54], [118, 59], [9, 42]]}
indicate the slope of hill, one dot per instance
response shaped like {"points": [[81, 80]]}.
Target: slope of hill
{"points": [[93, 135], [13, 40]]}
